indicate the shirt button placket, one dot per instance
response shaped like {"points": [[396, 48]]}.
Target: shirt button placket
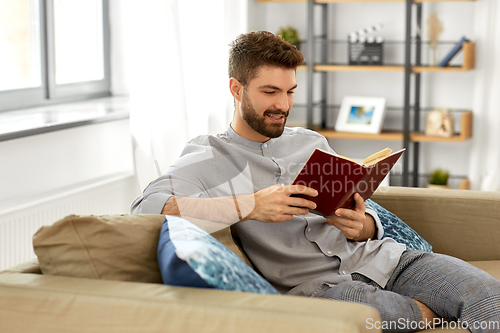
{"points": [[265, 151]]}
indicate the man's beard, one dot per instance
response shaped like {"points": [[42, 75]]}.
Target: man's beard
{"points": [[258, 123]]}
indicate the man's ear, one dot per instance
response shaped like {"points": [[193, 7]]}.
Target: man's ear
{"points": [[236, 88]]}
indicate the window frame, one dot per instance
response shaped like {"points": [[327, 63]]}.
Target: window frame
{"points": [[49, 92]]}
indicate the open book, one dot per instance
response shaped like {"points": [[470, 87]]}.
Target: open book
{"points": [[337, 178]]}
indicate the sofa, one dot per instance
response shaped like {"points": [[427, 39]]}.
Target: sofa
{"points": [[464, 224]]}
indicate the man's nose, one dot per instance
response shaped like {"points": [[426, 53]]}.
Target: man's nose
{"points": [[283, 102]]}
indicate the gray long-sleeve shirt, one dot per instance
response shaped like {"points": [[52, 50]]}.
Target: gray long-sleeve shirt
{"points": [[297, 256]]}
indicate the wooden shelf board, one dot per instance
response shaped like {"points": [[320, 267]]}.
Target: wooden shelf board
{"points": [[421, 69], [465, 134], [339, 1], [421, 137], [332, 134], [342, 68], [346, 1], [444, 0], [391, 136], [349, 68], [468, 64]]}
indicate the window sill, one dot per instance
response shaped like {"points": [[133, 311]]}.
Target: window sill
{"points": [[22, 123]]}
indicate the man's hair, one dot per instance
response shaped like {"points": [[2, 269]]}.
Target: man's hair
{"points": [[252, 50]]}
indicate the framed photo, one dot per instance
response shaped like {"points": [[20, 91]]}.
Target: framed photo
{"points": [[361, 114]]}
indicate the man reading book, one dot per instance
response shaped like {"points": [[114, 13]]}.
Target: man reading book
{"points": [[243, 178]]}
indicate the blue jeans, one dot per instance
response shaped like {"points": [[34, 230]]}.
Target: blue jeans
{"points": [[455, 290]]}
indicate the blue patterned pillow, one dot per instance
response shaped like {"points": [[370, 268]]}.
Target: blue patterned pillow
{"points": [[190, 257], [396, 229]]}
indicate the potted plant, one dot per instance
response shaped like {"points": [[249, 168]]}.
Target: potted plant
{"points": [[439, 179], [290, 35]]}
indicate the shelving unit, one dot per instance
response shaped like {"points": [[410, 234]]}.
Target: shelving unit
{"points": [[410, 137], [464, 134], [468, 50], [340, 1]]}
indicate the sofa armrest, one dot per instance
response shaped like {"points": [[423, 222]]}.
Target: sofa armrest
{"points": [[31, 266], [41, 303], [464, 224]]}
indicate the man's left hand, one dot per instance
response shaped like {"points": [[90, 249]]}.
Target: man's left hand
{"points": [[354, 223]]}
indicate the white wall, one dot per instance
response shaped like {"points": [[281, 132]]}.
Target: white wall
{"points": [[452, 90], [36, 165]]}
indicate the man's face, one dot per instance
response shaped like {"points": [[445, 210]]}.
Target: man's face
{"points": [[267, 100]]}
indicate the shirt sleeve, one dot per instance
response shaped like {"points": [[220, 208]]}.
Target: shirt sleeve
{"points": [[152, 204], [378, 224], [179, 180]]}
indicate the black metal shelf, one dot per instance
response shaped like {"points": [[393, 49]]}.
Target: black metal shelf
{"points": [[393, 116], [411, 56], [394, 52]]}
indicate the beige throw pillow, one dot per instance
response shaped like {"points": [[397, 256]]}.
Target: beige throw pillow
{"points": [[112, 247]]}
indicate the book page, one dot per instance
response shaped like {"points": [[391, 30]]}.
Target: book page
{"points": [[349, 159], [378, 156]]}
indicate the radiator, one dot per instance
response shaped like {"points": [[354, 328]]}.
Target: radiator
{"points": [[18, 223]]}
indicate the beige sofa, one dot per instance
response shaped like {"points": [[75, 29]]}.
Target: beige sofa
{"points": [[465, 224]]}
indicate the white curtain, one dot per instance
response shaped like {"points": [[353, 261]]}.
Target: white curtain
{"points": [[485, 159], [171, 56]]}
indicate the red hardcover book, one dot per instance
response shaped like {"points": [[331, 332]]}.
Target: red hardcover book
{"points": [[337, 178]]}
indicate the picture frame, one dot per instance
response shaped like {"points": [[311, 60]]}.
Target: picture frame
{"points": [[361, 114]]}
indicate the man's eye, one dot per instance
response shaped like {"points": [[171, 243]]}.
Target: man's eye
{"points": [[269, 92], [291, 92]]}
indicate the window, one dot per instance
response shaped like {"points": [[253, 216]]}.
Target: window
{"points": [[53, 51], [19, 45]]}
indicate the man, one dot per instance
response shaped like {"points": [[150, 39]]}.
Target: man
{"points": [[243, 178]]}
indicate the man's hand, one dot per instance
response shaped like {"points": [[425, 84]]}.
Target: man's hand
{"points": [[274, 204], [354, 223]]}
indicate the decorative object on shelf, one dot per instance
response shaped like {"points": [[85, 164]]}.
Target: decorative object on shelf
{"points": [[364, 48], [465, 184], [290, 35], [439, 179], [440, 122], [434, 29], [446, 60], [361, 114]]}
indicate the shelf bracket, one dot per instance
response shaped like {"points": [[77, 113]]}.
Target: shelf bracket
{"points": [[407, 78], [310, 62]]}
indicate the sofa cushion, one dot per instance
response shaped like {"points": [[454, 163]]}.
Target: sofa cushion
{"points": [[396, 229], [190, 257], [109, 247], [114, 247]]}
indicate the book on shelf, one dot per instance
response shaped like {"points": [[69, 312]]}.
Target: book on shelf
{"points": [[337, 178], [446, 60]]}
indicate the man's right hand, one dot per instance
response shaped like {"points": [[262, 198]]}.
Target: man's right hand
{"points": [[274, 204]]}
